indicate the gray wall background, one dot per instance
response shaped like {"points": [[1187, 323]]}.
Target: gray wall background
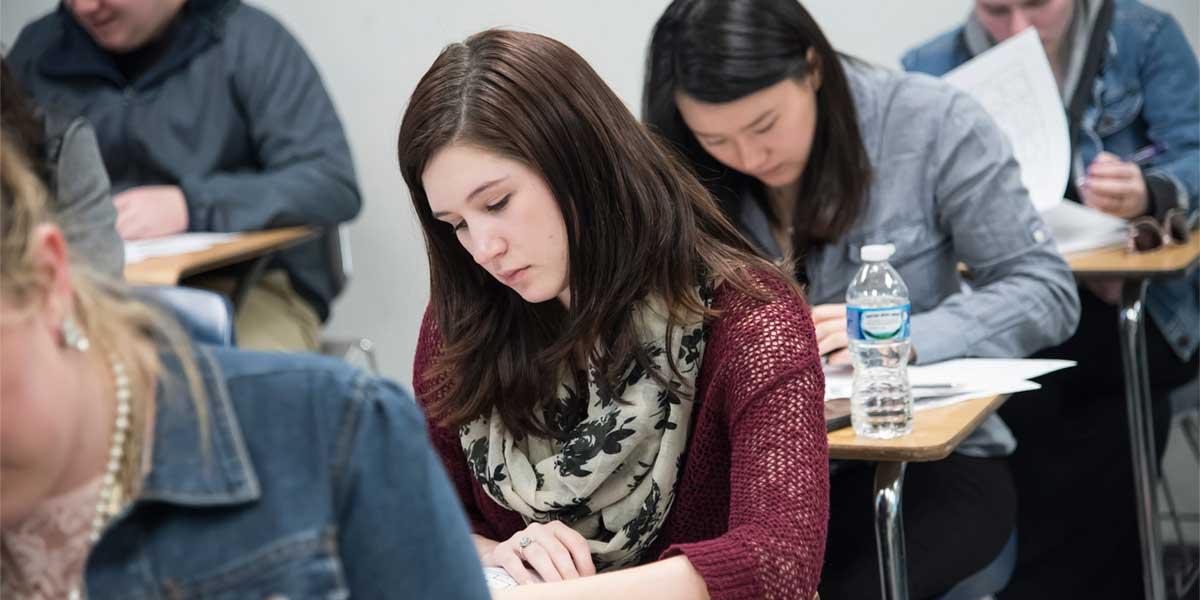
{"points": [[372, 53]]}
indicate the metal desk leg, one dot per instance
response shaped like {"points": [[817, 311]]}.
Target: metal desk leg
{"points": [[1141, 433], [889, 530]]}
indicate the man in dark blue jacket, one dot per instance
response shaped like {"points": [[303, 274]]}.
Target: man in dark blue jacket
{"points": [[210, 117]]}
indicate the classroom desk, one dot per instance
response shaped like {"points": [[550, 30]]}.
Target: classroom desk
{"points": [[1137, 270], [935, 434], [170, 270]]}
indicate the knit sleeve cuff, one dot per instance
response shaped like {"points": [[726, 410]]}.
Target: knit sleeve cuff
{"points": [[728, 570]]}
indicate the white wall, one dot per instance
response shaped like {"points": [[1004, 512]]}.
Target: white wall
{"points": [[372, 53]]}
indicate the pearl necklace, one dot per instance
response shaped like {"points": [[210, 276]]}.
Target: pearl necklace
{"points": [[106, 508]]}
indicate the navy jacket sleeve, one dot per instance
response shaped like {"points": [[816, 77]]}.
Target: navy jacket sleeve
{"points": [[305, 176]]}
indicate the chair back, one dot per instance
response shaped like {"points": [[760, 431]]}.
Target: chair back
{"points": [[205, 316], [989, 580]]}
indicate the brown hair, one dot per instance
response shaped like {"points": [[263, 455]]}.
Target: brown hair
{"points": [[112, 320], [21, 121], [638, 225]]}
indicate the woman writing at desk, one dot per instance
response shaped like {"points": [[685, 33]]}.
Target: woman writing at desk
{"points": [[616, 383], [816, 154], [1130, 86]]}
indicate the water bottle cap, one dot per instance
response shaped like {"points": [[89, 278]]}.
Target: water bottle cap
{"points": [[877, 252]]}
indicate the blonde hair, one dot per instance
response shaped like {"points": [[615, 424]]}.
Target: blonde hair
{"points": [[115, 323]]}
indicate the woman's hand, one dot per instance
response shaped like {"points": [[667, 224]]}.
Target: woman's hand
{"points": [[670, 579], [553, 550], [1115, 187], [829, 321]]}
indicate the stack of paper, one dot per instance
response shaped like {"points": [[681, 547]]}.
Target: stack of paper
{"points": [[1015, 85], [1077, 227], [944, 383], [171, 245]]}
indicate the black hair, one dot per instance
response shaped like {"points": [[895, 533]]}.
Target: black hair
{"points": [[718, 51]]}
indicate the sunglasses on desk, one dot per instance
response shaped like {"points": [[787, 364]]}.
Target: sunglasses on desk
{"points": [[1148, 233]]}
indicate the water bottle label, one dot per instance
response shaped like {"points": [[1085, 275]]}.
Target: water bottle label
{"points": [[887, 323]]}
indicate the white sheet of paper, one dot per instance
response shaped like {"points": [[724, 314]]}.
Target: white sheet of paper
{"points": [[1006, 388], [497, 578], [984, 371], [1077, 227], [1014, 83], [171, 245], [971, 378]]}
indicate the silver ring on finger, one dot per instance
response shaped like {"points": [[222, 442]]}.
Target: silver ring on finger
{"points": [[522, 544]]}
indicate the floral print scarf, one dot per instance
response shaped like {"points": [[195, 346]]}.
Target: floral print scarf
{"points": [[612, 477]]}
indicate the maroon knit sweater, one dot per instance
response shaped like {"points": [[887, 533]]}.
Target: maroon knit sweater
{"points": [[753, 497]]}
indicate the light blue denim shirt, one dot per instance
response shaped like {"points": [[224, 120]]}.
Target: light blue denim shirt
{"points": [[316, 481], [946, 189], [1147, 91]]}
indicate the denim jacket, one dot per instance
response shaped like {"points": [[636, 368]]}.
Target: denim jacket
{"points": [[316, 481], [1147, 92], [945, 189]]}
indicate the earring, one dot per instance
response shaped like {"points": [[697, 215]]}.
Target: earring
{"points": [[73, 337]]}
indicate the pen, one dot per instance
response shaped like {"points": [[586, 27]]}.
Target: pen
{"points": [[1138, 157], [936, 386], [1146, 153]]}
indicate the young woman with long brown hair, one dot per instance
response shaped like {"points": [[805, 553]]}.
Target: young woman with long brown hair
{"points": [[613, 378]]}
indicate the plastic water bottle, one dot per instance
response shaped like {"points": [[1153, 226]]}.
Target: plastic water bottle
{"points": [[877, 310]]}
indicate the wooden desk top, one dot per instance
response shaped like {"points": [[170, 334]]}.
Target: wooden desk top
{"points": [[169, 270], [1168, 261], [936, 433]]}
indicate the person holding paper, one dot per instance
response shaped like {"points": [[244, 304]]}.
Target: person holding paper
{"points": [[628, 399], [210, 117], [815, 154], [1130, 86]]}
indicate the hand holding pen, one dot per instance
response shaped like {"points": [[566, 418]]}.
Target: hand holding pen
{"points": [[1115, 185]]}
